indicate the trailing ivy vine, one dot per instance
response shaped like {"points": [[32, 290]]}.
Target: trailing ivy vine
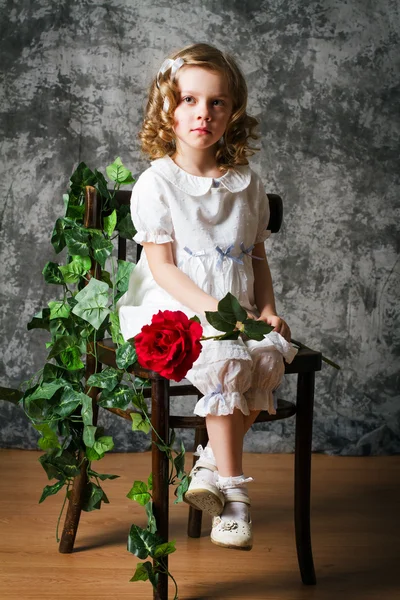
{"points": [[56, 398]]}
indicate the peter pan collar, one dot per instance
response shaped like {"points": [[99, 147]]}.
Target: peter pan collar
{"points": [[235, 180]]}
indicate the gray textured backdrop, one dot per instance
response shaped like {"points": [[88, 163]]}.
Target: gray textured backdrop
{"points": [[324, 82]]}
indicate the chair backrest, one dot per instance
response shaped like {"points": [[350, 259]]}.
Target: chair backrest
{"points": [[123, 197]]}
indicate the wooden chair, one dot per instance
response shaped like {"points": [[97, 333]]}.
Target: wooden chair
{"points": [[305, 364]]}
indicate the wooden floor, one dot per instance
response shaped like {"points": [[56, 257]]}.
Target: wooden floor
{"points": [[355, 529]]}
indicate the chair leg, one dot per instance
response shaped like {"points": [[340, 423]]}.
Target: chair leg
{"points": [[302, 484], [78, 487], [195, 516], [160, 464]]}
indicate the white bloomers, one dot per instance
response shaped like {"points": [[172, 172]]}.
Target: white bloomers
{"points": [[239, 374]]}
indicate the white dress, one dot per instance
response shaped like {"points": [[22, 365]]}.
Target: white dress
{"points": [[213, 225]]}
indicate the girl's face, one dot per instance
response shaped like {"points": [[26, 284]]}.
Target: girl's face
{"points": [[203, 110]]}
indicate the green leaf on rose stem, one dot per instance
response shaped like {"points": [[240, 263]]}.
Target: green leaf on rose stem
{"points": [[50, 490], [105, 276], [151, 520], [106, 379], [49, 437], [124, 271], [103, 444], [139, 423], [102, 248], [77, 268], [91, 303], [256, 330], [77, 241], [165, 549], [102, 476], [139, 493], [230, 309], [125, 227], [195, 319], [59, 309], [120, 397], [215, 319], [119, 173], [110, 223], [181, 489], [231, 335], [125, 356], [89, 435], [40, 320], [52, 274], [141, 542]]}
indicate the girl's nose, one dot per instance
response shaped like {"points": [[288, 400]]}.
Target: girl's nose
{"points": [[203, 111]]}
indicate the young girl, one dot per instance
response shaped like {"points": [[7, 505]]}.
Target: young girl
{"points": [[201, 214]]}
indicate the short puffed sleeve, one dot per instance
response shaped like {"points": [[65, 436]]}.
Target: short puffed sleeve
{"points": [[263, 213], [150, 210]]}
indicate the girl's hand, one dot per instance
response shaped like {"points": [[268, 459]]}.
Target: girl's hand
{"points": [[278, 324]]}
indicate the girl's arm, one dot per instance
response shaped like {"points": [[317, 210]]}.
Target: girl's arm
{"points": [[264, 293], [174, 281]]}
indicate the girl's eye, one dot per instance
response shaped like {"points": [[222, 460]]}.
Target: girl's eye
{"points": [[187, 99], [221, 102]]}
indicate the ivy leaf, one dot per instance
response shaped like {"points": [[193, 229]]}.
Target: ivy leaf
{"points": [[139, 493], [124, 271], [120, 397], [142, 571], [150, 481], [58, 237], [87, 409], [91, 303], [40, 320], [51, 372], [103, 444], [165, 549], [125, 356], [106, 379], [88, 435], [59, 309], [49, 437], [50, 490], [105, 276], [102, 248], [125, 227], [115, 329], [151, 520], [117, 172], [77, 240], [71, 358], [82, 176], [102, 476], [92, 497], [52, 274], [46, 390], [102, 185], [59, 466], [74, 270], [110, 223], [181, 489], [139, 423], [141, 542], [179, 462], [69, 401]]}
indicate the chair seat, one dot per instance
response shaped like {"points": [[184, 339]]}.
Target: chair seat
{"points": [[106, 354]]}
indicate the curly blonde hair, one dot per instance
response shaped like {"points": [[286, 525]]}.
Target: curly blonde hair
{"points": [[157, 134]]}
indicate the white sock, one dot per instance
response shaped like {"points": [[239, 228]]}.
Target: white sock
{"points": [[234, 510]]}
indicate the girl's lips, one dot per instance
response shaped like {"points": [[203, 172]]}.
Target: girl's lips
{"points": [[202, 130]]}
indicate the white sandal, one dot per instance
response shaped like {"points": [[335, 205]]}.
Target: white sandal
{"points": [[236, 534], [202, 493]]}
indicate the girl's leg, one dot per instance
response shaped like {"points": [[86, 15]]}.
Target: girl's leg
{"points": [[226, 435]]}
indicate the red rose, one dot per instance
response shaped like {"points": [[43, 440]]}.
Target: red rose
{"points": [[170, 345]]}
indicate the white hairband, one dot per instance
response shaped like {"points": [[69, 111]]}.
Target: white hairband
{"points": [[174, 65]]}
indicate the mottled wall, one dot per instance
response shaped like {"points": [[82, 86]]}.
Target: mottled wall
{"points": [[324, 82]]}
